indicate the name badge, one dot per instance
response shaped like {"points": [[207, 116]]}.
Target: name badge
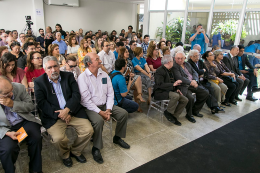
{"points": [[104, 80]]}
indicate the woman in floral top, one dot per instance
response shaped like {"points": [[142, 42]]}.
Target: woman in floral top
{"points": [[82, 51]]}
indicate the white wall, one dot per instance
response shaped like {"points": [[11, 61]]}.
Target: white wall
{"points": [[91, 15]]}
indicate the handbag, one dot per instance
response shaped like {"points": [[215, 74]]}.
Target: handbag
{"points": [[215, 81]]}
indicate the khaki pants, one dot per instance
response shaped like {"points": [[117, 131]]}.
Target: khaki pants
{"points": [[177, 103], [219, 91], [83, 129]]}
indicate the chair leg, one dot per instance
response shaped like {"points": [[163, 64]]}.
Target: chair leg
{"points": [[149, 109]]}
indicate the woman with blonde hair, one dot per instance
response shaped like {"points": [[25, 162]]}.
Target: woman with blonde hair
{"points": [[82, 51], [153, 60], [73, 46], [98, 44], [112, 46], [53, 50]]}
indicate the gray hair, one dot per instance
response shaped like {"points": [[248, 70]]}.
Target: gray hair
{"points": [[217, 52], [215, 47], [166, 59], [192, 52], [86, 60], [178, 49], [180, 52], [49, 58], [57, 33], [196, 46]]}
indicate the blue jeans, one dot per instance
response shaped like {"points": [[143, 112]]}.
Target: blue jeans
{"points": [[128, 104]]}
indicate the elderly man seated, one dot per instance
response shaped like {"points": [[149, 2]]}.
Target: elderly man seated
{"points": [[16, 105], [97, 95], [57, 95], [202, 71], [166, 87], [184, 72]]}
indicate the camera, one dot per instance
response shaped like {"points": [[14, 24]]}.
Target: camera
{"points": [[29, 22], [28, 18]]}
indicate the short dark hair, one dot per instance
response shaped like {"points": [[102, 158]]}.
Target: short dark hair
{"points": [[133, 32], [104, 33], [146, 36], [40, 29], [205, 55], [122, 30], [15, 43], [215, 47], [121, 34], [120, 63], [199, 25], [130, 26], [233, 47], [179, 44], [99, 30], [58, 25], [86, 37], [103, 42], [14, 31], [132, 41], [241, 47], [7, 32], [26, 45], [169, 41], [120, 44], [123, 39]]}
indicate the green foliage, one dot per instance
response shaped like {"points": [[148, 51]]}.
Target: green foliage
{"points": [[173, 30], [229, 29]]}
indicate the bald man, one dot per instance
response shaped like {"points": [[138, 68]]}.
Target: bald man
{"points": [[15, 112], [61, 43]]}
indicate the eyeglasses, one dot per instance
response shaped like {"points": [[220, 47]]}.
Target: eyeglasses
{"points": [[107, 45], [7, 95], [134, 44], [72, 66], [38, 58]]}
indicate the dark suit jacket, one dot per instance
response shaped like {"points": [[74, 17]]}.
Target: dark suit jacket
{"points": [[245, 62], [200, 70], [163, 84], [179, 74], [232, 65], [47, 100]]}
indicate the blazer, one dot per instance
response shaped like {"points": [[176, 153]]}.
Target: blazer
{"points": [[245, 62], [200, 70], [23, 106], [232, 65], [163, 84], [47, 100]]}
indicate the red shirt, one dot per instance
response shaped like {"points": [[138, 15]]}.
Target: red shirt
{"points": [[156, 63], [19, 76], [33, 74]]}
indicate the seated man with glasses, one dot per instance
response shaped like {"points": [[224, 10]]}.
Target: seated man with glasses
{"points": [[58, 98], [71, 66], [16, 105], [107, 57]]}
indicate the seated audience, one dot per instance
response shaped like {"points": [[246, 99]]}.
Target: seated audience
{"points": [[16, 107], [98, 44], [3, 41], [54, 50], [58, 98], [213, 101], [10, 70], [119, 45], [167, 88], [21, 39], [3, 49], [224, 74], [97, 96], [177, 49], [48, 38], [166, 50], [16, 50], [59, 29], [93, 39], [39, 49], [104, 36], [71, 66], [230, 60], [184, 72], [153, 60], [121, 90], [107, 57], [216, 47], [134, 38], [82, 51], [62, 45], [112, 46], [160, 47], [112, 38], [141, 68], [40, 39], [139, 38], [198, 48], [29, 34], [145, 44], [73, 46], [133, 45], [34, 67]]}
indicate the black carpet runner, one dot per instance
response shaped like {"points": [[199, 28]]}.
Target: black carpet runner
{"points": [[233, 148]]}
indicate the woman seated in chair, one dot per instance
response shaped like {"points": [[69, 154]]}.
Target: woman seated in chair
{"points": [[10, 70], [153, 60], [137, 82], [16, 49], [141, 68], [73, 46], [53, 50], [34, 67]]}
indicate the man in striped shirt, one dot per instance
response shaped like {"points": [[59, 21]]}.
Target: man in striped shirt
{"points": [[145, 44]]}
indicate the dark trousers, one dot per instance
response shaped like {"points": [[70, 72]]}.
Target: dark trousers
{"points": [[253, 80], [211, 101], [9, 148], [128, 104], [233, 89], [201, 96], [242, 86]]}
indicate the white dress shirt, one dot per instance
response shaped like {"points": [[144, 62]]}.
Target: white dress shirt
{"points": [[108, 60], [94, 91]]}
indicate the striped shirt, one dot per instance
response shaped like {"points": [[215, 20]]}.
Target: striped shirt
{"points": [[145, 47], [58, 91]]}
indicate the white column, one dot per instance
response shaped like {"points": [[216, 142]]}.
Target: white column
{"points": [[165, 18], [210, 17], [146, 17], [240, 23], [134, 17], [38, 17], [185, 22]]}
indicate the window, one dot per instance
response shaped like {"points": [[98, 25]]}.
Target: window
{"points": [[157, 4], [199, 4], [176, 5], [156, 25]]}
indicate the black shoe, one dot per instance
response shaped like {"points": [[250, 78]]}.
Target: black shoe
{"points": [[213, 110], [238, 99], [178, 123], [190, 118], [169, 116], [121, 143], [80, 158], [234, 102], [198, 115], [97, 156], [226, 104], [67, 162], [218, 110], [251, 99], [254, 90]]}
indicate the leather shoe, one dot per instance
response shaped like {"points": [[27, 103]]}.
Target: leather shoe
{"points": [[226, 104], [97, 156], [121, 143], [251, 99], [80, 158], [178, 123], [219, 110], [169, 116], [198, 115], [234, 102], [67, 162], [254, 90], [238, 99], [190, 118]]}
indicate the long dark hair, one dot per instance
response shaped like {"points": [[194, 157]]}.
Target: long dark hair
{"points": [[205, 55], [5, 59]]}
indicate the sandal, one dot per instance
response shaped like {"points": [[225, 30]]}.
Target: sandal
{"points": [[140, 98]]}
